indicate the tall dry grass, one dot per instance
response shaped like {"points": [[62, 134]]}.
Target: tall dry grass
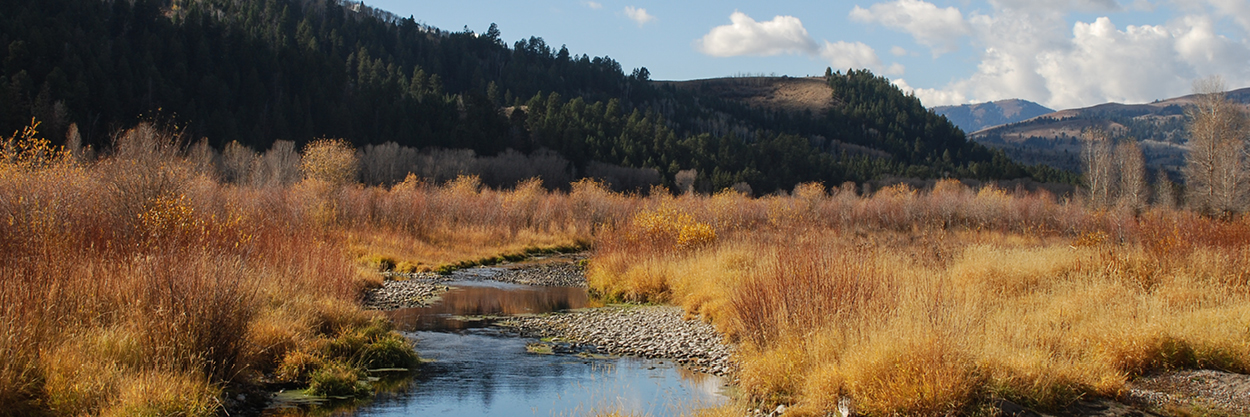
{"points": [[932, 303], [146, 283], [143, 283]]}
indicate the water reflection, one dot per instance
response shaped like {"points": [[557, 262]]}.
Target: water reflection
{"points": [[478, 370], [487, 298], [481, 372]]}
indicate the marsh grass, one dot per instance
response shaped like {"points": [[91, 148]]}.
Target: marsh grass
{"points": [[933, 302], [136, 284]]}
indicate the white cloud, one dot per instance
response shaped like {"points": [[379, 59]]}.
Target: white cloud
{"points": [[1239, 10], [939, 29], [1057, 6], [898, 51], [745, 36], [594, 5], [931, 96], [638, 15], [1030, 50], [786, 35], [845, 55]]}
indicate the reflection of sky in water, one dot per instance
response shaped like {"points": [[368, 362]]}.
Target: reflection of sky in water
{"points": [[480, 372], [477, 298]]}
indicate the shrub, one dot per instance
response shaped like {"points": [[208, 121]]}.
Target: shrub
{"points": [[330, 160], [297, 366], [391, 350], [337, 379]]}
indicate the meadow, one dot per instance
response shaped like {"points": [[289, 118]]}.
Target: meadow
{"points": [[146, 282]]}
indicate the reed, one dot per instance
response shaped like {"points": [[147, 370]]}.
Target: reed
{"points": [[135, 284], [934, 302]]}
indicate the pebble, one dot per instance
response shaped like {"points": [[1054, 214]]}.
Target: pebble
{"points": [[654, 332], [404, 294], [420, 289], [1209, 389]]}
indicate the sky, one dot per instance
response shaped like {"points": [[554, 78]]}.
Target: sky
{"points": [[1059, 53]]}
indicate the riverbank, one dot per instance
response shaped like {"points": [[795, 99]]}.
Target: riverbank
{"points": [[653, 332], [421, 289]]}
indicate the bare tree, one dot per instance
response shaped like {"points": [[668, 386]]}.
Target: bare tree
{"points": [[279, 166], [1134, 190], [685, 180], [236, 163], [1100, 172], [1215, 170], [203, 158], [1165, 191]]}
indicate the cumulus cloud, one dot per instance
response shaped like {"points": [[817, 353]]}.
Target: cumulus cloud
{"points": [[638, 15], [786, 35], [932, 95], [1059, 6], [1030, 50], [847, 55], [1239, 10], [745, 36], [939, 29]]}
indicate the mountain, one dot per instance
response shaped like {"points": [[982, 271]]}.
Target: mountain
{"points": [[1054, 138], [974, 117], [258, 71]]}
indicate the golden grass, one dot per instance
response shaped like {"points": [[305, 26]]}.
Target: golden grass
{"points": [[132, 285], [835, 297]]}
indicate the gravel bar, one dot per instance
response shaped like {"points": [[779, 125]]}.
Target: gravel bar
{"points": [[404, 294], [655, 332], [1209, 389], [420, 289]]}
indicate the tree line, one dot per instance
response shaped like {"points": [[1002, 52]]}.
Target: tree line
{"points": [[1216, 171], [261, 71]]}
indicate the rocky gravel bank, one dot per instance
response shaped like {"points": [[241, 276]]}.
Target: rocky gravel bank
{"points": [[1218, 391], [420, 289], [550, 275], [404, 294], [649, 331]]}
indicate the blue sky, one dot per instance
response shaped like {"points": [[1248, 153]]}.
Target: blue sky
{"points": [[1060, 53]]}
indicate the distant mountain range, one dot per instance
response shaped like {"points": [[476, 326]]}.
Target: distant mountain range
{"points": [[974, 117], [1054, 138]]}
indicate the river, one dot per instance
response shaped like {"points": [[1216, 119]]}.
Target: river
{"points": [[477, 369]]}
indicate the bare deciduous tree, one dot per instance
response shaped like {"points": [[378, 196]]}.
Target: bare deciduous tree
{"points": [[278, 167], [1215, 170], [1100, 172], [236, 163], [1133, 188], [685, 180], [1165, 191], [203, 158]]}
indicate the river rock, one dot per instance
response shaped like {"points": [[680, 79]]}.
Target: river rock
{"points": [[656, 332], [403, 294]]}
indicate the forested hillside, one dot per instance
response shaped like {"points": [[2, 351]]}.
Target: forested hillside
{"points": [[259, 71]]}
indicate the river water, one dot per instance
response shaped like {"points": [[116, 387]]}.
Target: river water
{"points": [[476, 369]]}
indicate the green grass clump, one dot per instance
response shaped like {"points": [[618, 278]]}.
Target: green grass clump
{"points": [[391, 350], [338, 379]]}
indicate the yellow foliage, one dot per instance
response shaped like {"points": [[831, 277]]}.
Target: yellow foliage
{"points": [[25, 150], [330, 160], [669, 226]]}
